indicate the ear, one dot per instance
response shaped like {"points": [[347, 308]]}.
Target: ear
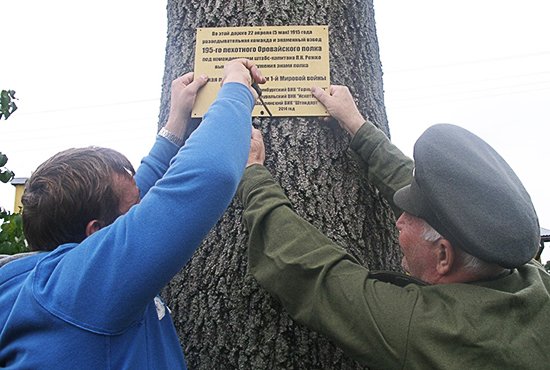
{"points": [[92, 227], [445, 257]]}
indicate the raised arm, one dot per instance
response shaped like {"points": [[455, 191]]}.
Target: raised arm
{"points": [[318, 283], [115, 272], [183, 92], [386, 166]]}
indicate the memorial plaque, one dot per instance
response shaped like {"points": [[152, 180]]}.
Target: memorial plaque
{"points": [[292, 58]]}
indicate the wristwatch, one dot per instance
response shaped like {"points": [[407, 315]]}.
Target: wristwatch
{"points": [[170, 137]]}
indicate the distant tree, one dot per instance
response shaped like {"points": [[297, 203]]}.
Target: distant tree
{"points": [[11, 226], [12, 240], [225, 320], [7, 107]]}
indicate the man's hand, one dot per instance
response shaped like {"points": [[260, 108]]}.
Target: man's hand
{"points": [[243, 71], [257, 149], [183, 93], [341, 106]]}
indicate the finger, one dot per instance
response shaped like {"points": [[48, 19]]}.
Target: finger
{"points": [[320, 94], [246, 63], [186, 79], [256, 134], [198, 83], [243, 61], [254, 93], [257, 75], [238, 70], [255, 72]]}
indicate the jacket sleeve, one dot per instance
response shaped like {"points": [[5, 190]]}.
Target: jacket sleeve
{"points": [[155, 164], [104, 283], [319, 284], [385, 165]]}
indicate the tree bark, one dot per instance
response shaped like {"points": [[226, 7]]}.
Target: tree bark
{"points": [[224, 319]]}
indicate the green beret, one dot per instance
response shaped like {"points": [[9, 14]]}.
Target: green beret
{"points": [[467, 192]]}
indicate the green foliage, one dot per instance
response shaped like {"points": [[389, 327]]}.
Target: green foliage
{"points": [[12, 240], [7, 107], [11, 225], [7, 104], [5, 174]]}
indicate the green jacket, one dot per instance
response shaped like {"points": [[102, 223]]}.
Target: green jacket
{"points": [[498, 324]]}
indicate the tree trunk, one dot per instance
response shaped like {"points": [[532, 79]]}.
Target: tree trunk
{"points": [[225, 320]]}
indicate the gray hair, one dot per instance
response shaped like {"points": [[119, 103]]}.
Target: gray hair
{"points": [[469, 262]]}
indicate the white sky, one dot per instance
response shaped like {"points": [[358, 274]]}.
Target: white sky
{"points": [[90, 73]]}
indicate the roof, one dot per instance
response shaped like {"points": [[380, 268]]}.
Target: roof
{"points": [[23, 180]]}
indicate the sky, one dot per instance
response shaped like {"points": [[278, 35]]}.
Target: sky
{"points": [[90, 73]]}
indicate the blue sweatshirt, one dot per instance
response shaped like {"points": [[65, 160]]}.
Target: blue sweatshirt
{"points": [[94, 305]]}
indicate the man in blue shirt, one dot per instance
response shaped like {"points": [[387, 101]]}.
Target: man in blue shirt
{"points": [[108, 239]]}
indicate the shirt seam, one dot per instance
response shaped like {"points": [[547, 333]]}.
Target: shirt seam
{"points": [[408, 336]]}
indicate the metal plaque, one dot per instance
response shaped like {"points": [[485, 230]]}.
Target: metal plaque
{"points": [[292, 58]]}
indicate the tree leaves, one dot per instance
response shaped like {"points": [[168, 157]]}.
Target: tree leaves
{"points": [[7, 104], [12, 240], [11, 225], [7, 107], [5, 174]]}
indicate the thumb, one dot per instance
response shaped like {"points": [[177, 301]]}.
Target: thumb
{"points": [[256, 134], [320, 94], [198, 83]]}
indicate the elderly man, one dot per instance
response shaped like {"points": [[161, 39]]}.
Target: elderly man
{"points": [[109, 240], [468, 232]]}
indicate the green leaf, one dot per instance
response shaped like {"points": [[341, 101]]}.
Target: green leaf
{"points": [[7, 104], [3, 159], [6, 176]]}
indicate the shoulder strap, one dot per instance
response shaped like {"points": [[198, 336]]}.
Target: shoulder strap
{"points": [[395, 278]]}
